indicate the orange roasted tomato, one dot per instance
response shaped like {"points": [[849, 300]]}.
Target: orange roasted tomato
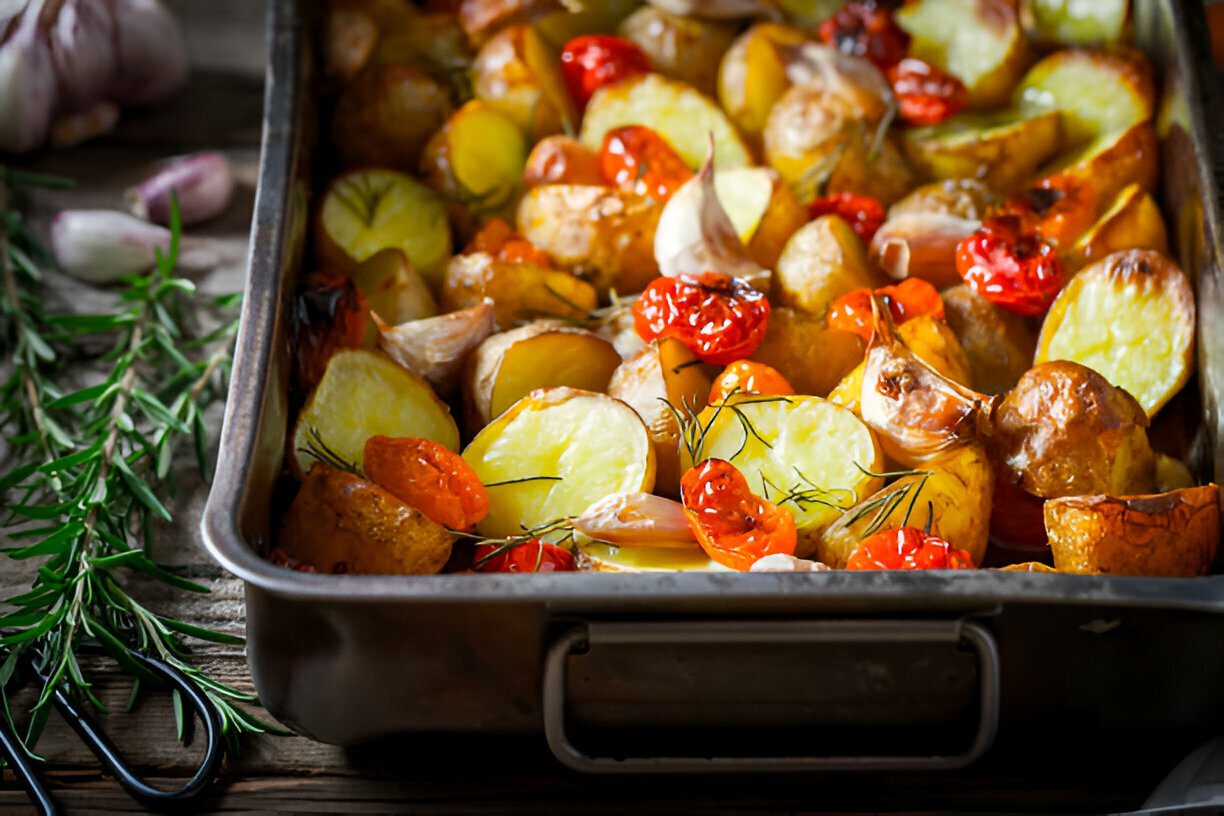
{"points": [[498, 239], [719, 318], [748, 377], [907, 548], [911, 297], [425, 475], [638, 160], [926, 95], [732, 524]]}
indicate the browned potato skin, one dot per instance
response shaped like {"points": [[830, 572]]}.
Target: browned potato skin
{"points": [[812, 357], [884, 173], [480, 18], [519, 291], [964, 198], [999, 345], [683, 48], [341, 523], [1064, 430], [1132, 158], [601, 234], [386, 114], [822, 261], [519, 74], [1166, 535], [561, 160]]}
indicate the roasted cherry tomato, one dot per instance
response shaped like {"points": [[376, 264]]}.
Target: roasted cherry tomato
{"points": [[866, 29], [719, 318], [748, 377], [863, 213], [639, 160], [733, 525], [1017, 517], [925, 94], [1059, 208], [533, 555], [594, 60], [499, 240], [330, 314], [429, 477], [1015, 269], [911, 297], [907, 548]]}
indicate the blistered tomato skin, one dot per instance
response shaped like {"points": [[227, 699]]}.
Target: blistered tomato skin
{"points": [[907, 548], [719, 318], [911, 297], [748, 377], [636, 159], [429, 477], [734, 526], [592, 61], [864, 29], [530, 556], [1016, 270], [1059, 208], [863, 213], [926, 95]]}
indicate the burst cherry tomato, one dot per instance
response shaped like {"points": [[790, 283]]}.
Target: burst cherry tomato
{"points": [[639, 160], [719, 318], [864, 29], [733, 525], [925, 94], [592, 61], [1059, 208], [748, 377], [429, 477], [499, 240], [907, 548], [1014, 269], [911, 297], [533, 555], [863, 213]]}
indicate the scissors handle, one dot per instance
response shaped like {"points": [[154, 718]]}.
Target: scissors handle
{"points": [[13, 751], [96, 740]]}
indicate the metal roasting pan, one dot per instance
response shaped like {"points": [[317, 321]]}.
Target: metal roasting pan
{"points": [[641, 673]]}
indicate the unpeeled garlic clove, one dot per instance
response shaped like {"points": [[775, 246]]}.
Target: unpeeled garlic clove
{"points": [[921, 245], [203, 184], [437, 347], [103, 246], [28, 90], [641, 519]]}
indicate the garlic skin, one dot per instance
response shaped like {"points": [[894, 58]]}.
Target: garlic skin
{"points": [[82, 41], [150, 52], [637, 519], [28, 94], [921, 245], [203, 184], [104, 246]]}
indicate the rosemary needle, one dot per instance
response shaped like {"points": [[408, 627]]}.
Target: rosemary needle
{"points": [[87, 470]]}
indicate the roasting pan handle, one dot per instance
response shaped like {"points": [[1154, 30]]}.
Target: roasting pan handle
{"points": [[757, 632]]}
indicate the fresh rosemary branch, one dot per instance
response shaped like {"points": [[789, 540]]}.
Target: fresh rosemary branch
{"points": [[87, 470]]}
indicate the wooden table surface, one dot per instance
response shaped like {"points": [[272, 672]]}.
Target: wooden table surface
{"points": [[221, 108]]}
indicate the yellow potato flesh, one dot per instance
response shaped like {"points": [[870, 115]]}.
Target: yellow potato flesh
{"points": [[752, 75], [1097, 93], [1130, 318], [677, 111], [1000, 149], [1132, 222], [794, 445], [590, 444], [574, 358], [363, 394], [487, 154], [600, 557]]}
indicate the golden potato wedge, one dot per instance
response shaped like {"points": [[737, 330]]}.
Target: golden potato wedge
{"points": [[601, 234], [980, 42], [554, 453], [589, 17], [675, 109], [1112, 162], [663, 382], [518, 73], [967, 198], [386, 114], [510, 365], [921, 245], [752, 75], [951, 493], [874, 167], [341, 523], [822, 261], [437, 347], [365, 393], [365, 211], [519, 291], [802, 453], [1064, 430], [998, 345], [811, 356], [477, 159], [561, 160], [683, 48], [1057, 22], [1130, 317], [1001, 148], [1132, 222], [1165, 535], [395, 291], [1098, 92]]}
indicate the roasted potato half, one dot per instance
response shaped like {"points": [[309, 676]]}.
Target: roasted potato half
{"points": [[1002, 149], [386, 114], [1130, 317], [752, 75], [1057, 22], [1163, 535], [998, 345], [811, 356], [1133, 221], [519, 291], [341, 523], [517, 72], [683, 48], [822, 261]]}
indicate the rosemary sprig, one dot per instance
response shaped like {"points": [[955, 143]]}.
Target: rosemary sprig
{"points": [[501, 545], [89, 468]]}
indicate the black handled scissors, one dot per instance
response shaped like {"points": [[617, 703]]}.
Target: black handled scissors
{"points": [[106, 752]]}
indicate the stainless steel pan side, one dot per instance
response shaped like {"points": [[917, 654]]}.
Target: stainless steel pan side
{"points": [[467, 653]]}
